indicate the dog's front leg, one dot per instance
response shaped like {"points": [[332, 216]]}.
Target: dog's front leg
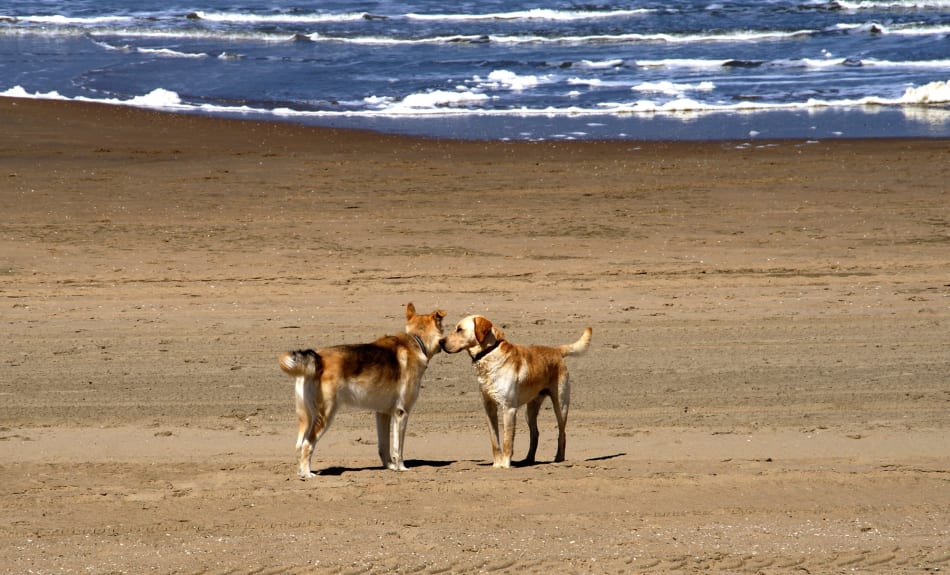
{"points": [[383, 435], [399, 420], [491, 410], [508, 447]]}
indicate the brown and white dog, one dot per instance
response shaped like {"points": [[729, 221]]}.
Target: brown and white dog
{"points": [[512, 375], [384, 376]]}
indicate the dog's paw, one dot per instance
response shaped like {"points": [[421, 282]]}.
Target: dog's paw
{"points": [[399, 467], [305, 475]]}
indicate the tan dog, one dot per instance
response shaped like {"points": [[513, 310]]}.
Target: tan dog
{"points": [[383, 376], [513, 375]]}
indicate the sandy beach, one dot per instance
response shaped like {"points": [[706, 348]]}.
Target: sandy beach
{"points": [[768, 389]]}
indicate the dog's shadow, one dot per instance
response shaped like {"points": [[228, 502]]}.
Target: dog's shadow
{"points": [[411, 463], [338, 470], [606, 457], [523, 463]]}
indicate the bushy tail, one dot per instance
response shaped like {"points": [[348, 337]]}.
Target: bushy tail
{"points": [[579, 346], [303, 362]]}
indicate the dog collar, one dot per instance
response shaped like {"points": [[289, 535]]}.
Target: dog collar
{"points": [[486, 351], [421, 345]]}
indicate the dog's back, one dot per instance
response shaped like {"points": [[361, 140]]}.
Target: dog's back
{"points": [[366, 362], [365, 375]]}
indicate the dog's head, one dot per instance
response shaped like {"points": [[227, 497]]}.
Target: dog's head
{"points": [[427, 327], [473, 333]]}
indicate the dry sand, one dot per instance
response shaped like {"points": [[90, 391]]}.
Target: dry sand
{"points": [[768, 390]]}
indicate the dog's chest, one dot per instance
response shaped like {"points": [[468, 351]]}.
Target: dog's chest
{"points": [[498, 381]]}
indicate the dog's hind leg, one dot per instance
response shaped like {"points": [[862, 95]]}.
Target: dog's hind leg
{"points": [[399, 420], [509, 413], [313, 419], [383, 436], [307, 412], [561, 403], [531, 414]]}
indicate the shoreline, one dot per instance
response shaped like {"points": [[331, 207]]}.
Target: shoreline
{"points": [[867, 122]]}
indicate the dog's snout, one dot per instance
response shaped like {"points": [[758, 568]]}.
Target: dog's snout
{"points": [[442, 344]]}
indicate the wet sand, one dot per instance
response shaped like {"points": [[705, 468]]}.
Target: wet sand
{"points": [[768, 389]]}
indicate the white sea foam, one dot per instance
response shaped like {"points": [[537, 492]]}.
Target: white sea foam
{"points": [[932, 93], [446, 103], [435, 100], [20, 92], [157, 98], [907, 29], [915, 30], [592, 82], [673, 88], [745, 36], [601, 65], [504, 79], [239, 17], [67, 20], [901, 5], [697, 63], [167, 52], [112, 47], [534, 14]]}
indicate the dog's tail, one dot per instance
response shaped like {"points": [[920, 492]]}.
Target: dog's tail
{"points": [[303, 362], [579, 346]]}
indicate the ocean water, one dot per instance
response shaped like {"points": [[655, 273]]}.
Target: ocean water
{"points": [[502, 69]]}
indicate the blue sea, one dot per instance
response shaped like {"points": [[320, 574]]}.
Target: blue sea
{"points": [[502, 69]]}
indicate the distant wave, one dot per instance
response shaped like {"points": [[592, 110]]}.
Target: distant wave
{"points": [[891, 5], [914, 29], [167, 52], [311, 18], [672, 63], [132, 27], [69, 20], [534, 14], [803, 63], [741, 36], [238, 17], [631, 38]]}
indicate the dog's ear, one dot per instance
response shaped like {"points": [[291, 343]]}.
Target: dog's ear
{"points": [[410, 311], [440, 314], [482, 328]]}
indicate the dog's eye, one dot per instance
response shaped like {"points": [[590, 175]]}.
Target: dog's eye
{"points": [[458, 330]]}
